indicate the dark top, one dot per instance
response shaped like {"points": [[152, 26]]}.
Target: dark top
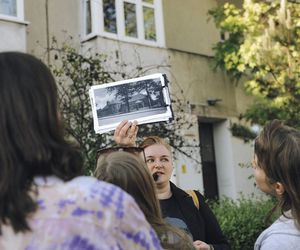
{"points": [[173, 215], [202, 223]]}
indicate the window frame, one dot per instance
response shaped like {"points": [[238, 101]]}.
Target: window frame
{"points": [[19, 17], [97, 22]]}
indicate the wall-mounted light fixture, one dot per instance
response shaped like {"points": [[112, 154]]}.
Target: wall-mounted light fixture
{"points": [[213, 102]]}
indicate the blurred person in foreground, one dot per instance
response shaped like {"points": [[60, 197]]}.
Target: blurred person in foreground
{"points": [[44, 202], [177, 206], [131, 174], [276, 166]]}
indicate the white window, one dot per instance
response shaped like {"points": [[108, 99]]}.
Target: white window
{"points": [[12, 9], [128, 20]]}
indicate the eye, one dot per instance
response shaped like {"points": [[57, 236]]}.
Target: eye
{"points": [[165, 160], [150, 160]]}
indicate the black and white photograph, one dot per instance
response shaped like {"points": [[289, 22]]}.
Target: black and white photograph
{"points": [[144, 99]]}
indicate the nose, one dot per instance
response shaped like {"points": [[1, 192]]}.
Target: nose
{"points": [[158, 164]]}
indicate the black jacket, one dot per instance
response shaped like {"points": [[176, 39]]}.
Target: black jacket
{"points": [[202, 223]]}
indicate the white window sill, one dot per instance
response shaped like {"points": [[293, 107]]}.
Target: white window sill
{"points": [[12, 19], [91, 36]]}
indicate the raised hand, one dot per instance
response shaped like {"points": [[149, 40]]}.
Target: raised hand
{"points": [[125, 133]]}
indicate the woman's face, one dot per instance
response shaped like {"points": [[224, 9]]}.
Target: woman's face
{"points": [[260, 177], [159, 162]]}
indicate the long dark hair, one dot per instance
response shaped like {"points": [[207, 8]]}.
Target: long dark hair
{"points": [[278, 153], [131, 174], [31, 136]]}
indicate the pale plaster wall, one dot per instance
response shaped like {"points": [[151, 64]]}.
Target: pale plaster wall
{"points": [[130, 56], [231, 154], [64, 21], [13, 36], [237, 3], [243, 155], [188, 29], [193, 74], [189, 171], [224, 160]]}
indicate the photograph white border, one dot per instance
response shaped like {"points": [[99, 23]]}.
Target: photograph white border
{"points": [[142, 117]]}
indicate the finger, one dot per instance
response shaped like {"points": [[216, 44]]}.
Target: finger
{"points": [[133, 129], [124, 130], [136, 130], [120, 126]]}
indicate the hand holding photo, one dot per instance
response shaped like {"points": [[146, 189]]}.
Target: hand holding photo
{"points": [[145, 99]]}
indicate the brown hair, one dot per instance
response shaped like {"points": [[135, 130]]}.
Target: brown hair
{"points": [[152, 140], [31, 136], [131, 174], [278, 153]]}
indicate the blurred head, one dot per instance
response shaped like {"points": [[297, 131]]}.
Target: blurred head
{"points": [[158, 158], [129, 172], [277, 164], [31, 136]]}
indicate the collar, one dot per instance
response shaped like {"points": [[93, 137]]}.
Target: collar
{"points": [[177, 191]]}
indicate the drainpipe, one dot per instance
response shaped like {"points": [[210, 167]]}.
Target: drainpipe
{"points": [[47, 32]]}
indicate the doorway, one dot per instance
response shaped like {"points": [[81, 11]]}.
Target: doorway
{"points": [[208, 159]]}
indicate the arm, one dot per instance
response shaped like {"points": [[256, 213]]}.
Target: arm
{"points": [[125, 133], [214, 234]]}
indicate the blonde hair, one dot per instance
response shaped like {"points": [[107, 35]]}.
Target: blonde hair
{"points": [[153, 140]]}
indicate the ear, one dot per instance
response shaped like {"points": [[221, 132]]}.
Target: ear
{"points": [[279, 188]]}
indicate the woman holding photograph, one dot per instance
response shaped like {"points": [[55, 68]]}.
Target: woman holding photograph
{"points": [[44, 202], [276, 166], [177, 206]]}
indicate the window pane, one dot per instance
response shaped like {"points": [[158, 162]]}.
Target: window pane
{"points": [[148, 1], [88, 23], [110, 18], [130, 20], [149, 24], [8, 7]]}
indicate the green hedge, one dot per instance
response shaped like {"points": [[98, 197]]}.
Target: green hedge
{"points": [[243, 220]]}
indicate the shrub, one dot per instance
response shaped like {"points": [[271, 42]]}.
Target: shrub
{"points": [[243, 220]]}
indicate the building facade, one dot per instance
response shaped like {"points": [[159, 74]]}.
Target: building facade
{"points": [[166, 36]]}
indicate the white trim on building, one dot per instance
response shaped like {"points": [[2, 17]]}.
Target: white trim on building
{"points": [[134, 27], [12, 10]]}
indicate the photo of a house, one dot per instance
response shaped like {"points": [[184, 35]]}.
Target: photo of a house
{"points": [[143, 97]]}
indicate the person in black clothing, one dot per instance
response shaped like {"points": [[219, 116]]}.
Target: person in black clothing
{"points": [[177, 206]]}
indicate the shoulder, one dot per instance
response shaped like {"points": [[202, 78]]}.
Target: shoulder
{"points": [[84, 198], [201, 198], [177, 192], [90, 190], [89, 184], [282, 234]]}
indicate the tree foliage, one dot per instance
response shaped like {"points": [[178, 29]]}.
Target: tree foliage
{"points": [[75, 72], [261, 48]]}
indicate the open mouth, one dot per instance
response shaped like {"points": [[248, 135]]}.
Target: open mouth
{"points": [[156, 176]]}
